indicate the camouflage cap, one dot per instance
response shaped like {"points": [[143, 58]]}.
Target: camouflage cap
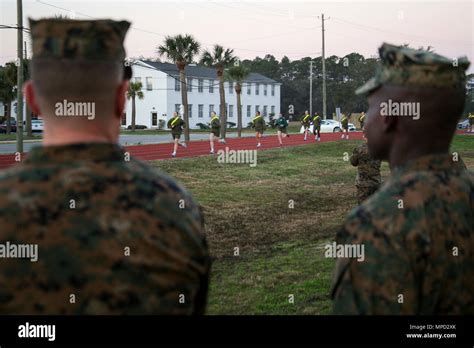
{"points": [[57, 38], [403, 66]]}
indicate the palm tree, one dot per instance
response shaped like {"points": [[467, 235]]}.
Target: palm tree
{"points": [[181, 50], [219, 58], [238, 74], [134, 90], [10, 92]]}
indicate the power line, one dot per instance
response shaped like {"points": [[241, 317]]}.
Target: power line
{"points": [[209, 45], [371, 28], [25, 29], [275, 35], [246, 12]]}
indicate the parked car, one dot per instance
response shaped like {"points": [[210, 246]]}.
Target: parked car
{"points": [[138, 126], [37, 125], [3, 126], [202, 126], [463, 124], [330, 126]]}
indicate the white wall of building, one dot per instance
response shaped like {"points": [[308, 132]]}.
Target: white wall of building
{"points": [[154, 101], [13, 109], [163, 99]]}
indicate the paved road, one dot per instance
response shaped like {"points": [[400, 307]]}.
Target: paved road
{"points": [[125, 140]]}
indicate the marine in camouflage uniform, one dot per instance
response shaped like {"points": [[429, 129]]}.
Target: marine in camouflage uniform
{"points": [[114, 235], [417, 229], [258, 123], [368, 172]]}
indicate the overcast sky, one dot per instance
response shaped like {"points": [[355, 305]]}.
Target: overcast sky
{"points": [[256, 28]]}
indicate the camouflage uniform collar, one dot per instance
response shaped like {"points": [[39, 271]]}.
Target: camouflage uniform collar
{"points": [[90, 152], [434, 162]]}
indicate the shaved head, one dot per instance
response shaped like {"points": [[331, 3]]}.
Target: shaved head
{"points": [[81, 99]]}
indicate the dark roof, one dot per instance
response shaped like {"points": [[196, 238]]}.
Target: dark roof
{"points": [[200, 71]]}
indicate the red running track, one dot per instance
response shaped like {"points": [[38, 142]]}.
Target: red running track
{"points": [[201, 147]]}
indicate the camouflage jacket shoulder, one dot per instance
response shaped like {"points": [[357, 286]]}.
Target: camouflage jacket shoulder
{"points": [[417, 233], [86, 206]]}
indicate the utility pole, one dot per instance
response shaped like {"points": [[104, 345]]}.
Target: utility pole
{"points": [[324, 71], [19, 84], [28, 110], [311, 87]]}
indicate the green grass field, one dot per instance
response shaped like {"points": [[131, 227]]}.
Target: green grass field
{"points": [[280, 248], [12, 137]]}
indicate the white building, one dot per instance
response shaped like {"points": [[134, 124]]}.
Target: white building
{"points": [[162, 95]]}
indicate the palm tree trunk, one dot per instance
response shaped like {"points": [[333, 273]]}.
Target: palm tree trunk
{"points": [[29, 132], [133, 113], [223, 116], [184, 100], [9, 116], [239, 114]]}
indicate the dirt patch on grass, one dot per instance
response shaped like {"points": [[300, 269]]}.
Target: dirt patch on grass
{"points": [[253, 226]]}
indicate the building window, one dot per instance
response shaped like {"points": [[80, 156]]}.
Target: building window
{"points": [[257, 87], [257, 108], [138, 80], [154, 119], [211, 86], [231, 87], [190, 84], [190, 110], [249, 88], [273, 90], [211, 109], [273, 109], [176, 107], [177, 85], [124, 119], [249, 110], [231, 111], [265, 89], [264, 110], [149, 85], [200, 85], [200, 110]]}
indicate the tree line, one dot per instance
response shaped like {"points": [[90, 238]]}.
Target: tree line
{"points": [[343, 76]]}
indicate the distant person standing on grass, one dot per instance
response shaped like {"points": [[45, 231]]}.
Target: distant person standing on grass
{"points": [[259, 124], [176, 124], [368, 172], [215, 129]]}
